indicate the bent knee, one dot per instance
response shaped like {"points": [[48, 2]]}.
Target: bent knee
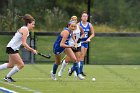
{"points": [[20, 66]]}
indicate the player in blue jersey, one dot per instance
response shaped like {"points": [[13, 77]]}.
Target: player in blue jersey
{"points": [[88, 28], [78, 33], [60, 45]]}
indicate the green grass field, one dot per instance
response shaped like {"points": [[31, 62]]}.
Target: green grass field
{"points": [[109, 79]]}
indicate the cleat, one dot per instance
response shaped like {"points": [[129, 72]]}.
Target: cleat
{"points": [[70, 72], [83, 73], [9, 79], [80, 77], [53, 76]]}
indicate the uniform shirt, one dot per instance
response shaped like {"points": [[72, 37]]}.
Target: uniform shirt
{"points": [[77, 34], [86, 30], [16, 41], [56, 48]]}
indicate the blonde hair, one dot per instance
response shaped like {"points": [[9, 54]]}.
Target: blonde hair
{"points": [[73, 18]]}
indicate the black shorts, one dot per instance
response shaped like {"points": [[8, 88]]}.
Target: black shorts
{"points": [[9, 50], [78, 49]]}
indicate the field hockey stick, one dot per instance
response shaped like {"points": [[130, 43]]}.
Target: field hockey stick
{"points": [[79, 40], [85, 41], [63, 58], [45, 56]]}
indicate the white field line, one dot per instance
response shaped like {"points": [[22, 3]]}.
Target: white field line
{"points": [[20, 87], [5, 90]]}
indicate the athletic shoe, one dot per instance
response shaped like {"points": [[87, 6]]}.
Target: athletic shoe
{"points": [[53, 76], [80, 77], [60, 73], [70, 72], [9, 79], [75, 74], [83, 73]]}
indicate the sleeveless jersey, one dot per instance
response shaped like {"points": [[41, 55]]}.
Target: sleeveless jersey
{"points": [[86, 30], [56, 48], [77, 34], [16, 41]]}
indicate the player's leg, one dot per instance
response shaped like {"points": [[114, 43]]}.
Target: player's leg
{"points": [[64, 64], [7, 65], [3, 66], [83, 53], [14, 59], [75, 67], [77, 54], [55, 66]]}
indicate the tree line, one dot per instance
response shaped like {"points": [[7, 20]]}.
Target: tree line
{"points": [[52, 15]]}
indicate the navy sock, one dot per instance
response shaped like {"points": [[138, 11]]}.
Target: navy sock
{"points": [[81, 66], [55, 66], [72, 68], [76, 68]]}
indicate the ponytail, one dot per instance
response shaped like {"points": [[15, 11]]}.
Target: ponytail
{"points": [[27, 18]]}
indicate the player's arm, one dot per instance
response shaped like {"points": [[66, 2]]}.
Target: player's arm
{"points": [[24, 33], [82, 34], [78, 24], [92, 33], [64, 35], [74, 38]]}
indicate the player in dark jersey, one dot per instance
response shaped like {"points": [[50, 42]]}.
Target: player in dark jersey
{"points": [[60, 45]]}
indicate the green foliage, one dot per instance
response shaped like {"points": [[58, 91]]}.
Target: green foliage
{"points": [[53, 15], [8, 21], [118, 13], [56, 19], [104, 28]]}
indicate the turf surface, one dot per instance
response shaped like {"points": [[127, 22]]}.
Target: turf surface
{"points": [[109, 79]]}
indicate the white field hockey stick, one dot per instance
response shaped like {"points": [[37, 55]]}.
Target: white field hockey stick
{"points": [[85, 41]]}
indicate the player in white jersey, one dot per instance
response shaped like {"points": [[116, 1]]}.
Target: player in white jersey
{"points": [[78, 33], [20, 37]]}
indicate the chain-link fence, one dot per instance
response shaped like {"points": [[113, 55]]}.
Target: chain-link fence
{"points": [[105, 48]]}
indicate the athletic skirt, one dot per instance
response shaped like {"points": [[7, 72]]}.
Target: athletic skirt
{"points": [[9, 50]]}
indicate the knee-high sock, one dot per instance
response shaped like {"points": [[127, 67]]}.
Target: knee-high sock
{"points": [[81, 66], [14, 70], [3, 66], [55, 66], [64, 64], [76, 68]]}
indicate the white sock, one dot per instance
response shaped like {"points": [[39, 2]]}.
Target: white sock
{"points": [[64, 64], [75, 74], [79, 64], [3, 66], [14, 70]]}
